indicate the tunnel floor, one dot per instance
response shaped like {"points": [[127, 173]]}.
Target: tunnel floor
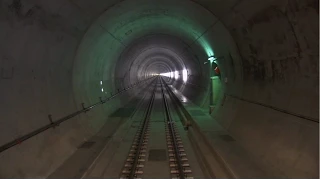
{"points": [[114, 157], [156, 126]]}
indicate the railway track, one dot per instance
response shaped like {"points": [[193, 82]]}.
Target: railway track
{"points": [[137, 156], [134, 164], [178, 161]]}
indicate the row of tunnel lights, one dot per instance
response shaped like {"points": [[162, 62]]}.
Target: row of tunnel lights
{"points": [[175, 75], [172, 75]]}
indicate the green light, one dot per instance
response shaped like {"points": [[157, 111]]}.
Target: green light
{"points": [[206, 46]]}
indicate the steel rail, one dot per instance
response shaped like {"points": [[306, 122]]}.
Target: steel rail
{"points": [[173, 136], [141, 134]]}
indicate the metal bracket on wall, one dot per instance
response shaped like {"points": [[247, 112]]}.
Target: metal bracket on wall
{"points": [[102, 102], [51, 121], [84, 109]]}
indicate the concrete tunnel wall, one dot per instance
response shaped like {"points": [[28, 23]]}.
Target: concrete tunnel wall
{"points": [[56, 53]]}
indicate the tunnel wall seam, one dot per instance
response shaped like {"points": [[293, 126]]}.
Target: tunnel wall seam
{"points": [[276, 109]]}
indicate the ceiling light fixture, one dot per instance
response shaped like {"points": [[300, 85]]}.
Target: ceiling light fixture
{"points": [[212, 59]]}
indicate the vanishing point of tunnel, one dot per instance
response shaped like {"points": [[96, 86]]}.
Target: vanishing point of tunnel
{"points": [[159, 89]]}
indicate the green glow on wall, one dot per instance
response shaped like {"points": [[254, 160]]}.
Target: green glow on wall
{"points": [[206, 46], [166, 24], [151, 19]]}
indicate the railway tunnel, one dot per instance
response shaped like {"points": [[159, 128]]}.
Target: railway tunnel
{"points": [[234, 83]]}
